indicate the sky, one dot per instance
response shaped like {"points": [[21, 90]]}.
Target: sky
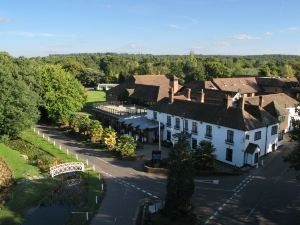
{"points": [[228, 27]]}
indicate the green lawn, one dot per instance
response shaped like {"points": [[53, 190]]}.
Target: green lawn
{"points": [[33, 186], [95, 96], [91, 178], [43, 144]]}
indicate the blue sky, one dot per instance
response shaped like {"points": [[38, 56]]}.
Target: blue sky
{"points": [[42, 27]]}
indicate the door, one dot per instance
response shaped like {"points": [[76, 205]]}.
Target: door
{"points": [[256, 158], [273, 147]]}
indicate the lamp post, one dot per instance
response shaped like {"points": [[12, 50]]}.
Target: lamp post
{"points": [[159, 141]]}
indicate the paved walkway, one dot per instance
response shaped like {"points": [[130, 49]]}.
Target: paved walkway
{"points": [[126, 184]]}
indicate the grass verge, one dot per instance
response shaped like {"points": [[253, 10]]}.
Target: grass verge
{"points": [[32, 186]]}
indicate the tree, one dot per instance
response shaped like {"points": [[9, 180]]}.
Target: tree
{"points": [[96, 131], [18, 103], [84, 125], [110, 138], [126, 145], [288, 71], [180, 185], [294, 157], [264, 71], [216, 69], [203, 157], [61, 93]]}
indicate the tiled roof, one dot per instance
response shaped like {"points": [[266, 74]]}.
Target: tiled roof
{"points": [[283, 100], [197, 86], [234, 118], [145, 87], [283, 82], [243, 85]]}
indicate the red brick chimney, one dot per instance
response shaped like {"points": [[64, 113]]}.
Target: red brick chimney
{"points": [[171, 95], [202, 96], [174, 84], [188, 94], [229, 101], [242, 103], [261, 101]]}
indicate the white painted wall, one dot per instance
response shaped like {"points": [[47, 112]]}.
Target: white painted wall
{"points": [[219, 135]]}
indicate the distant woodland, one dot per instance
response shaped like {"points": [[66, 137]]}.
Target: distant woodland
{"points": [[53, 87], [90, 69]]}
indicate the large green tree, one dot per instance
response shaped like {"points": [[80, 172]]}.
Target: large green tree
{"points": [[61, 93], [18, 103], [180, 185]]}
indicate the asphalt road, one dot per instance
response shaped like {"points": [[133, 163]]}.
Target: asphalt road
{"points": [[126, 184], [267, 195]]}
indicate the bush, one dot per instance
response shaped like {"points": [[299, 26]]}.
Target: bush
{"points": [[43, 160], [110, 138], [203, 157], [95, 131], [166, 144], [126, 145]]}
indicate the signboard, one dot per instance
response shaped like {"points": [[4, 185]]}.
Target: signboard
{"points": [[156, 156]]}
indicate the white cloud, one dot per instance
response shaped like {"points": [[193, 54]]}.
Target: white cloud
{"points": [[5, 20], [289, 29], [174, 26], [244, 37], [292, 28], [33, 34], [268, 33]]}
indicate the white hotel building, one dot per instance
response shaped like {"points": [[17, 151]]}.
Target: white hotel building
{"points": [[240, 133]]}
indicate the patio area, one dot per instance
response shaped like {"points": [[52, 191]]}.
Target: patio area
{"points": [[148, 148]]}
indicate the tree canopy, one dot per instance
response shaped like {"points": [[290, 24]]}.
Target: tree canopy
{"points": [[62, 94]]}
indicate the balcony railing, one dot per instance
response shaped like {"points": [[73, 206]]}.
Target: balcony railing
{"points": [[168, 124], [176, 127]]}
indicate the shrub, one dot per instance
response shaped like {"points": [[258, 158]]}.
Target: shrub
{"points": [[43, 160], [203, 157], [110, 138], [126, 145], [95, 131]]}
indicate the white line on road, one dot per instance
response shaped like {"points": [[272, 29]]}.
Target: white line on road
{"points": [[214, 189]]}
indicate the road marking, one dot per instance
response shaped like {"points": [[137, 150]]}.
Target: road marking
{"points": [[214, 189], [207, 181]]}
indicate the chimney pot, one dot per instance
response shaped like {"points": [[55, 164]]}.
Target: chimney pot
{"points": [[202, 95], [242, 103], [171, 95], [174, 84], [188, 93]]}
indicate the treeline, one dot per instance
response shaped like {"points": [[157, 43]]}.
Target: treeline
{"points": [[91, 69], [30, 89]]}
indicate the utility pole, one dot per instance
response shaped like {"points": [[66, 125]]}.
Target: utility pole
{"points": [[159, 141]]}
